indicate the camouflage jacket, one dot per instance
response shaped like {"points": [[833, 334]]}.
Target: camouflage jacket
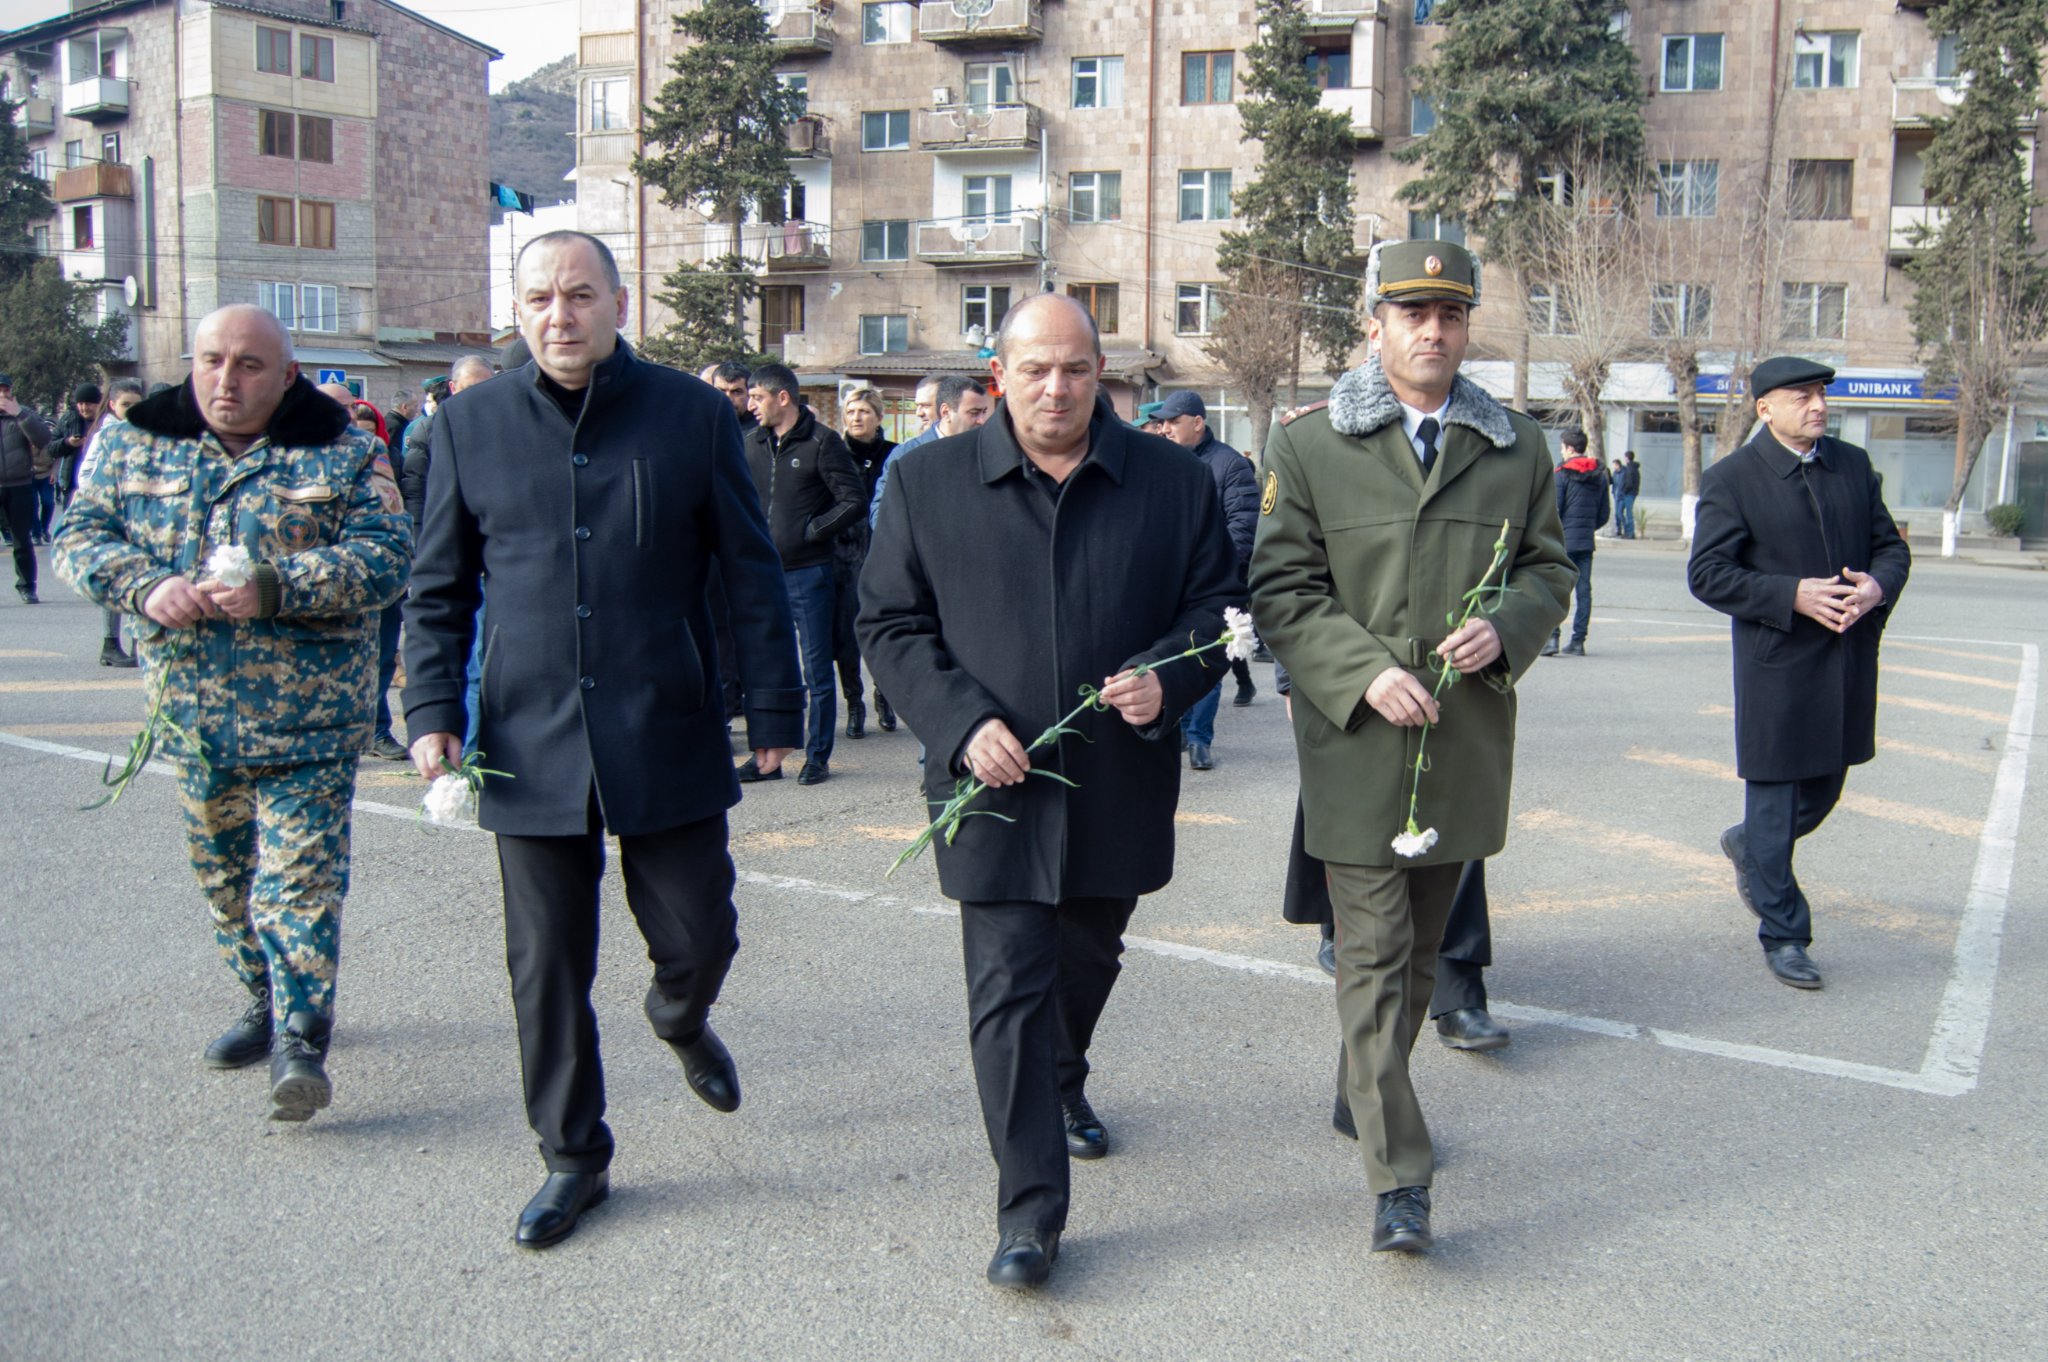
{"points": [[313, 502]]}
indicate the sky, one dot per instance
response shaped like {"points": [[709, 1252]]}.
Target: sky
{"points": [[531, 33]]}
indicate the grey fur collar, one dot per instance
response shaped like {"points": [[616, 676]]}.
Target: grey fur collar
{"points": [[1362, 403]]}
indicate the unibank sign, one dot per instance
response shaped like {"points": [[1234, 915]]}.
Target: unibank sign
{"points": [[1887, 391]]}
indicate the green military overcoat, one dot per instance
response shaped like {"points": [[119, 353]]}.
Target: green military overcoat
{"points": [[1359, 561]]}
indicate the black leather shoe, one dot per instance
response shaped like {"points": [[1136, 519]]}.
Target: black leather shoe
{"points": [[1341, 1120], [298, 1072], [1576, 648], [1402, 1224], [1199, 758], [1246, 693], [856, 719], [1471, 1028], [884, 715], [750, 771], [816, 772], [1087, 1137], [552, 1214], [1735, 846], [28, 595], [387, 748], [1024, 1258], [1550, 648], [1790, 963], [112, 656], [709, 1070], [247, 1041], [1326, 956]]}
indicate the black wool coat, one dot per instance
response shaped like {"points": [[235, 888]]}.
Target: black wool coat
{"points": [[983, 598], [1805, 697], [594, 536]]}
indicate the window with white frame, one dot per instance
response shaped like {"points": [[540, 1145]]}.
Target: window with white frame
{"points": [[1098, 82], [1681, 310], [1435, 227], [1688, 189], [1548, 314], [1816, 312], [39, 238], [990, 84], [1095, 196], [608, 107], [1205, 196], [985, 198], [39, 163], [319, 307], [280, 301], [885, 130], [1824, 61], [983, 305], [887, 240], [885, 334], [1692, 61], [1196, 308], [887, 21]]}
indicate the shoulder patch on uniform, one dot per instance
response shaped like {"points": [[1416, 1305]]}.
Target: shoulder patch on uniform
{"points": [[1289, 418], [1272, 496]]}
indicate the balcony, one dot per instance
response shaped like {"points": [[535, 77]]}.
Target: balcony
{"points": [[97, 180], [37, 116], [1366, 107], [97, 100], [800, 29], [789, 245], [969, 22], [979, 241], [1906, 218], [807, 139], [964, 127], [1918, 100], [1326, 16]]}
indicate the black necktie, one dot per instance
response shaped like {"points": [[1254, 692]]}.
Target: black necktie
{"points": [[1426, 432]]}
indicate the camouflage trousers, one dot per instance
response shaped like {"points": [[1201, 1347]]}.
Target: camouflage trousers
{"points": [[270, 847]]}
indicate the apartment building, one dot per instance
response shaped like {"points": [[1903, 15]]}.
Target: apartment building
{"points": [[324, 159], [958, 154]]}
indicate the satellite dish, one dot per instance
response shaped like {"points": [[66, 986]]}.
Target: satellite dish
{"points": [[969, 230], [131, 292], [771, 10]]}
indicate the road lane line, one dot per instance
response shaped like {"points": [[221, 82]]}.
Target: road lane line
{"points": [[1891, 643], [1953, 678], [1989, 716], [119, 728], [27, 652], [1974, 761], [1870, 806], [63, 687]]}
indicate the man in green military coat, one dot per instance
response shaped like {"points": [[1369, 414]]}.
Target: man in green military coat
{"points": [[1380, 510]]}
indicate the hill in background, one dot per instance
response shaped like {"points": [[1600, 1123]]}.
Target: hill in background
{"points": [[533, 126]]}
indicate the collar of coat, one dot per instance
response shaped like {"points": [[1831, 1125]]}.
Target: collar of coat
{"points": [[1000, 455], [1362, 403], [608, 378], [1783, 461], [306, 416]]}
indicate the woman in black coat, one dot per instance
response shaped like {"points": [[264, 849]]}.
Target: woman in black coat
{"points": [[861, 415]]}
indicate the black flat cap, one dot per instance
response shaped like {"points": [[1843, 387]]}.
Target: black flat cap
{"points": [[1787, 371]]}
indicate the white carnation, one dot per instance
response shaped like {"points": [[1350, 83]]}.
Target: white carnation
{"points": [[1414, 843], [450, 801], [1243, 640], [230, 565]]}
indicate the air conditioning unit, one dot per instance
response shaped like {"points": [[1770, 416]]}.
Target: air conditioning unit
{"points": [[942, 96]]}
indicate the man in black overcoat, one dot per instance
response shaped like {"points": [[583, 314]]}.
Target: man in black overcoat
{"points": [[595, 491], [1050, 549], [1794, 543]]}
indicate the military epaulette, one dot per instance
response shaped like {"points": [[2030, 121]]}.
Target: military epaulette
{"points": [[1291, 417]]}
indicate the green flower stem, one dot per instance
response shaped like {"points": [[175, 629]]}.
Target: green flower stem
{"points": [[143, 746], [1447, 675]]}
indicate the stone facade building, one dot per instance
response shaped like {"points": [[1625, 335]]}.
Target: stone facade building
{"points": [[325, 159]]}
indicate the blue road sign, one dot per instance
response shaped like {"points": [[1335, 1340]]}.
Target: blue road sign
{"points": [[332, 376]]}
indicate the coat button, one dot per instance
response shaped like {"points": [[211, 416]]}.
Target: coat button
{"points": [[579, 459], [583, 532], [582, 612], [588, 683]]}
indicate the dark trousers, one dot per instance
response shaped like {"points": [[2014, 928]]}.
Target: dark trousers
{"points": [[1038, 977], [810, 600], [388, 621], [18, 505], [846, 647], [1775, 815], [1582, 594], [679, 888], [46, 505]]}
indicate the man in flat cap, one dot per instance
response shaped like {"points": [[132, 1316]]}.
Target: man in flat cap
{"points": [[1794, 544], [1380, 509]]}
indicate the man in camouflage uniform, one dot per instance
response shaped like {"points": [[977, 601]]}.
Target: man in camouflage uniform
{"points": [[275, 676]]}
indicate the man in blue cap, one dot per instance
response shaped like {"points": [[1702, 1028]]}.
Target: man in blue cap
{"points": [[1184, 420]]}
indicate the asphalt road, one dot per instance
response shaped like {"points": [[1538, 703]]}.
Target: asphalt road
{"points": [[1677, 1157]]}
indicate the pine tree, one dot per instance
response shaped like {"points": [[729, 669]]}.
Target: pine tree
{"points": [[1297, 242], [714, 141], [49, 340], [24, 200], [1980, 295]]}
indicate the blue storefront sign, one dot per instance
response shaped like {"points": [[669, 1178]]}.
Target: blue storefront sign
{"points": [[1887, 391]]}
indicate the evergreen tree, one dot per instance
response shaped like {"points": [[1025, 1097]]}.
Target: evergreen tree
{"points": [[24, 199], [49, 340], [714, 141], [1980, 295], [1296, 211]]}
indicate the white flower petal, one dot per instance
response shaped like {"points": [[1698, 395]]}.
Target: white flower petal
{"points": [[1414, 843], [1244, 640], [449, 801], [230, 565]]}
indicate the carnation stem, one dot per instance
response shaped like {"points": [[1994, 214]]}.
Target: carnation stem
{"points": [[1446, 674]]}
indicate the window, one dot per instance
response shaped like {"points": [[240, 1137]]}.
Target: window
{"points": [[1555, 184], [1329, 67], [1824, 61], [39, 163], [1692, 61], [885, 240], [81, 228], [39, 237], [276, 133], [782, 312], [1435, 227], [316, 57], [1816, 312], [74, 155], [1195, 309], [280, 301], [275, 219], [1680, 310], [985, 198], [1205, 78], [1204, 195], [93, 55], [316, 224], [885, 130], [798, 83], [1095, 196], [1424, 9], [983, 305], [607, 102], [990, 84], [1688, 189], [1548, 314], [884, 335], [886, 22], [316, 139], [1098, 82], [1821, 190], [1421, 115], [1945, 57], [274, 50], [321, 307], [110, 148], [1100, 300]]}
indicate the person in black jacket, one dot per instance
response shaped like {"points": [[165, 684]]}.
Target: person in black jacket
{"points": [[595, 489], [1051, 549], [23, 436], [1582, 506], [861, 412], [812, 491], [1794, 544], [1627, 484]]}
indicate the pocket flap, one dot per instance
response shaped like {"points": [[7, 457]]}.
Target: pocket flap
{"points": [[155, 487]]}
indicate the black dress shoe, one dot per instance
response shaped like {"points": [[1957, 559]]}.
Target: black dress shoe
{"points": [[856, 719], [1326, 956], [1550, 648], [884, 715], [1471, 1028], [1735, 846], [1790, 963], [28, 595], [247, 1041], [1576, 648], [112, 656], [1199, 758], [387, 748], [750, 771], [1246, 692], [1087, 1137], [552, 1214], [1402, 1224], [1024, 1258], [709, 1070], [816, 772], [298, 1068]]}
